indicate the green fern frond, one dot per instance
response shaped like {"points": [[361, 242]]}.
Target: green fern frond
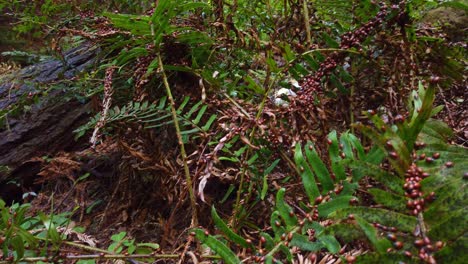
{"points": [[152, 115]]}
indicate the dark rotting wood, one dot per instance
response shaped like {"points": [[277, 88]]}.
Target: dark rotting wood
{"points": [[47, 127]]}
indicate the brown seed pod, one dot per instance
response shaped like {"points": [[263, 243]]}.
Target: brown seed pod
{"points": [[389, 144], [419, 243], [398, 244], [448, 164], [436, 155], [319, 199], [427, 241], [350, 259], [429, 160], [392, 237]]}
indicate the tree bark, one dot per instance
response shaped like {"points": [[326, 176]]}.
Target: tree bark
{"points": [[48, 125]]}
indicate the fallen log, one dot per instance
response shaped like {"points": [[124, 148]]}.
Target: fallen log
{"points": [[47, 127]]}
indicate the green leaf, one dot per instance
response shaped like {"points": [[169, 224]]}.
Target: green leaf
{"points": [[227, 231], [454, 252], [389, 200], [318, 167], [149, 245], [118, 237], [221, 249], [452, 228], [136, 24], [389, 180], [347, 233], [380, 244], [269, 242], [303, 243], [284, 210], [208, 124], [307, 176], [330, 243], [330, 41], [385, 217], [334, 152], [333, 205], [18, 246]]}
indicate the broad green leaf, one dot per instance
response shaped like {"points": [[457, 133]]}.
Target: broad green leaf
{"points": [[18, 246], [333, 205], [385, 217], [389, 180], [334, 152], [346, 233], [118, 237], [269, 242], [307, 176], [227, 231], [284, 210], [318, 167], [217, 246], [380, 244], [454, 252], [302, 242], [330, 243], [389, 200], [455, 226]]}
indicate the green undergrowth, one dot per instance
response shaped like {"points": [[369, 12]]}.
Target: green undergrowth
{"points": [[389, 227], [267, 98]]}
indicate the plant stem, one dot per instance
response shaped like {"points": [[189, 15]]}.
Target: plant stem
{"points": [[247, 155], [188, 178], [306, 22]]}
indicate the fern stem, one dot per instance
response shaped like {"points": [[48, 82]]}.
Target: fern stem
{"points": [[188, 178], [306, 22]]}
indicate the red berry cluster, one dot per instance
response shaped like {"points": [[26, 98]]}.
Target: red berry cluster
{"points": [[426, 248], [413, 177], [311, 84]]}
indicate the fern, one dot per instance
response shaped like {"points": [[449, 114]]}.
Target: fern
{"points": [[153, 116], [331, 190], [328, 190], [441, 220]]}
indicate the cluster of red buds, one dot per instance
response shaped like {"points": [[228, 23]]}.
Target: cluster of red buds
{"points": [[311, 84], [426, 248], [413, 177]]}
